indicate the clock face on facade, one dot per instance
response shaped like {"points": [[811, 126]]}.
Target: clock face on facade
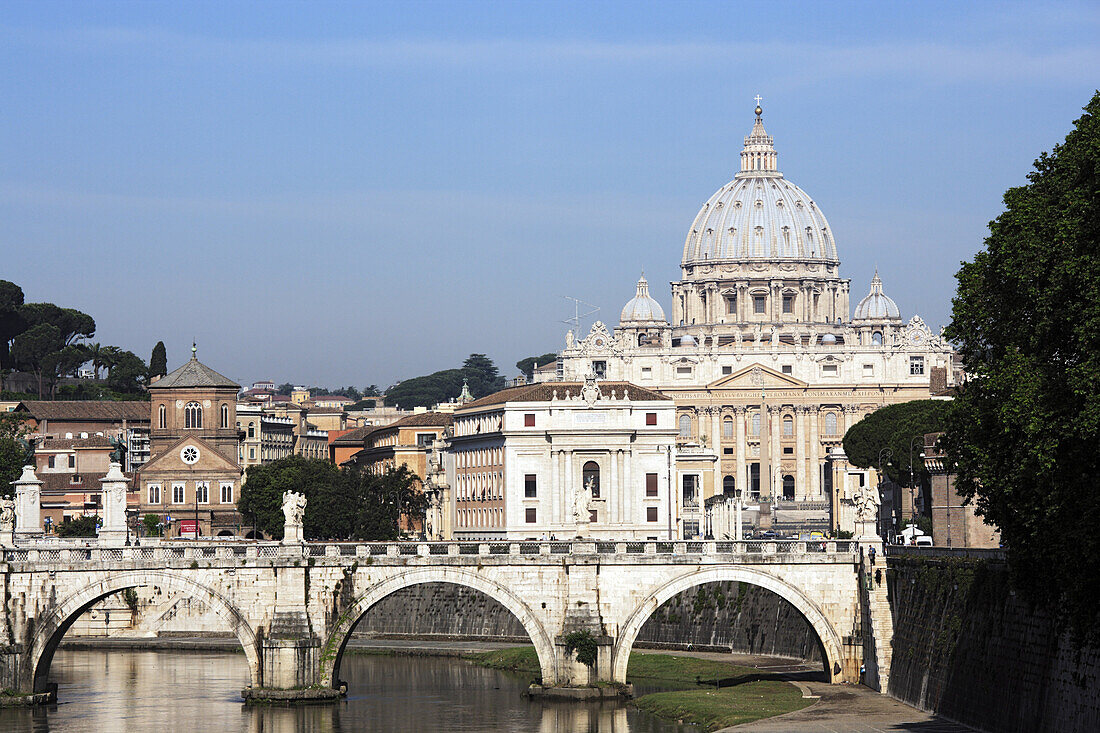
{"points": [[189, 455], [599, 342], [916, 337]]}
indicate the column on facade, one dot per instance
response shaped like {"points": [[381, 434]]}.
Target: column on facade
{"points": [[612, 491], [800, 482], [548, 501], [716, 430], [628, 486], [775, 417], [815, 452], [741, 475], [741, 295], [566, 498]]}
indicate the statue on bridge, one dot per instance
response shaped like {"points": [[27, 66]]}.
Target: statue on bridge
{"points": [[867, 502], [7, 521], [294, 508]]}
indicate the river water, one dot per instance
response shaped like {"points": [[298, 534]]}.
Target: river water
{"points": [[102, 691]]}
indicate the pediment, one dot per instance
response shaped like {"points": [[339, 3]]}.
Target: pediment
{"points": [[755, 377], [209, 458]]}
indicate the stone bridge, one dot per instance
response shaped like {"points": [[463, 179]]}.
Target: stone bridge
{"points": [[293, 606]]}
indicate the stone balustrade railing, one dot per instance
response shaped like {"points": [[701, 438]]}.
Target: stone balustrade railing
{"points": [[974, 553], [61, 552]]}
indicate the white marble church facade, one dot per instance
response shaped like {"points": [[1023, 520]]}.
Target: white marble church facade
{"points": [[765, 361]]}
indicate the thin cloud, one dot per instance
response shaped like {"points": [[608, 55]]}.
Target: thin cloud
{"points": [[937, 62]]}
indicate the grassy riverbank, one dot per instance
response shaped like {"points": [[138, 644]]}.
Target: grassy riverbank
{"points": [[715, 695]]}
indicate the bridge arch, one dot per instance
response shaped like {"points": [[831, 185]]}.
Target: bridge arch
{"points": [[57, 619], [333, 652], [822, 626]]}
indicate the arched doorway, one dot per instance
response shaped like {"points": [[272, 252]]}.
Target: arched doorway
{"points": [[632, 626], [333, 651], [788, 488], [53, 625], [729, 486]]}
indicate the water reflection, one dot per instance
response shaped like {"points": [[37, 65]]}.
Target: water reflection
{"points": [[102, 691]]}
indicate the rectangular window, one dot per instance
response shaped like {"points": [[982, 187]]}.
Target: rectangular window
{"points": [[727, 370], [647, 372], [599, 368], [202, 492], [425, 440], [530, 486], [651, 514], [727, 451], [731, 305], [829, 370], [252, 453], [758, 304], [787, 369], [154, 493], [868, 370], [651, 484], [72, 461], [788, 304], [651, 418], [530, 515], [916, 365], [177, 494], [529, 420], [683, 371], [227, 493], [788, 451], [593, 516], [49, 461]]}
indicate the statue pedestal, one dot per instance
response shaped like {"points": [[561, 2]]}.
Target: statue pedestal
{"points": [[292, 534], [7, 538]]}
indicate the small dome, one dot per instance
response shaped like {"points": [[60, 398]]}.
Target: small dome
{"points": [[687, 340], [877, 306], [828, 339], [642, 309]]}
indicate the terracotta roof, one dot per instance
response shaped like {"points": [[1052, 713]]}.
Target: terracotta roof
{"points": [[61, 482], [434, 419], [93, 441], [194, 374], [544, 392], [89, 410], [353, 437]]}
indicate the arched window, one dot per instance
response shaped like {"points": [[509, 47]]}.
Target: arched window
{"points": [[788, 425], [252, 430], [225, 415], [162, 417], [727, 427], [788, 487], [729, 486], [590, 475], [755, 423], [192, 415], [830, 423], [876, 338], [685, 426]]}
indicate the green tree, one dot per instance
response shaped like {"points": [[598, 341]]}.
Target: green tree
{"points": [[12, 324], [527, 366], [127, 373], [482, 374], [158, 361], [895, 428], [15, 451], [152, 525], [340, 504], [48, 348], [426, 391], [1024, 430], [79, 527]]}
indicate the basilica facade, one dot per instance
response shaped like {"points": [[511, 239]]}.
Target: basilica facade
{"points": [[764, 359]]}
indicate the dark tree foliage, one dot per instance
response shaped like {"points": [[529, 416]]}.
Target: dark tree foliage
{"points": [[895, 428], [1024, 431], [12, 322], [482, 375], [340, 504], [427, 390], [79, 527], [527, 366], [47, 348], [127, 373], [15, 451], [158, 362]]}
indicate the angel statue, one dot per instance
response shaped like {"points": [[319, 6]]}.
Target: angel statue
{"points": [[294, 507]]}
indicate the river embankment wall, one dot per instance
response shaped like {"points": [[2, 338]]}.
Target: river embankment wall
{"points": [[968, 647]]}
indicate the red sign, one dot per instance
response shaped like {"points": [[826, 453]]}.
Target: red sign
{"points": [[189, 527]]}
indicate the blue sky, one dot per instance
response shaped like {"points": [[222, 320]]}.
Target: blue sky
{"points": [[354, 193]]}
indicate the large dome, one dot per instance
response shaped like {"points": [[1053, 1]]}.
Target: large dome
{"points": [[759, 215]]}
